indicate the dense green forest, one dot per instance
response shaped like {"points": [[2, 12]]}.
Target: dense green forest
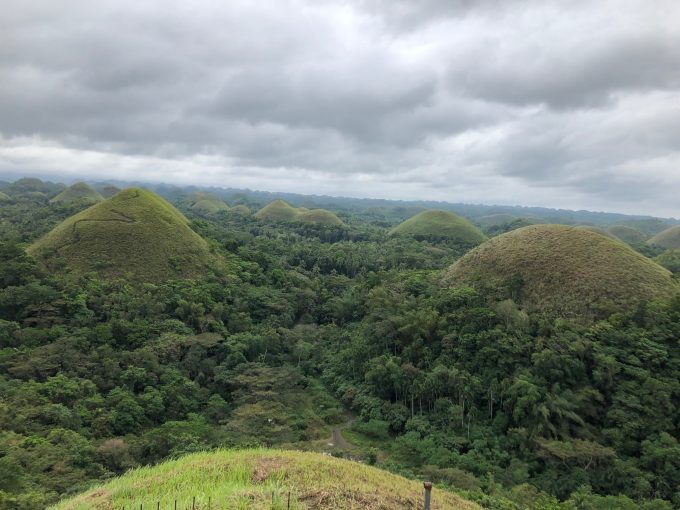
{"points": [[312, 326]]}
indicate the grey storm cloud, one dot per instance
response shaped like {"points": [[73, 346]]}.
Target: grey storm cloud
{"points": [[569, 104]]}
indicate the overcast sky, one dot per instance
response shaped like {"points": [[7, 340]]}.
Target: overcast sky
{"points": [[570, 103]]}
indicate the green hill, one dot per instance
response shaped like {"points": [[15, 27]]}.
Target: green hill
{"points": [[495, 219], [78, 193], [135, 232], [240, 209], [262, 479], [30, 184], [320, 216], [561, 270], [207, 203], [108, 191], [627, 234], [278, 210], [4, 197], [597, 230], [669, 238], [440, 225]]}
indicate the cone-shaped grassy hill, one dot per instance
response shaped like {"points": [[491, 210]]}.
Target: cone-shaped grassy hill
{"points": [[627, 234], [109, 190], [320, 216], [279, 210], [78, 193], [240, 209], [207, 203], [669, 238], [440, 225], [251, 478], [562, 271], [134, 233], [597, 230]]}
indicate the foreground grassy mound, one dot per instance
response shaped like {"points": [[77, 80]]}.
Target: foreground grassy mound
{"points": [[134, 233], [320, 217], [251, 478], [440, 225], [78, 193], [561, 270], [627, 234], [669, 238]]}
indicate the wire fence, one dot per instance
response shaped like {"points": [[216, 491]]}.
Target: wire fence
{"points": [[278, 502]]}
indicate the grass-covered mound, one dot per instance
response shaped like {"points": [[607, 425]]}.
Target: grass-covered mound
{"points": [[4, 197], [278, 210], [78, 193], [134, 233], [669, 238], [561, 270], [109, 190], [240, 209], [207, 203], [320, 217], [627, 234], [440, 225], [252, 478], [597, 230]]}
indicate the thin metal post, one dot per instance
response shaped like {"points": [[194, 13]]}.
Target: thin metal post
{"points": [[428, 494]]}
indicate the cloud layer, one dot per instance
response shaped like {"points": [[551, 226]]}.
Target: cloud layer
{"points": [[565, 104]]}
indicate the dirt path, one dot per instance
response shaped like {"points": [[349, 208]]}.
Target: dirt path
{"points": [[339, 441]]}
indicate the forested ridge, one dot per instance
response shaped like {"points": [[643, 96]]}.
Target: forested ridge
{"points": [[313, 326]]}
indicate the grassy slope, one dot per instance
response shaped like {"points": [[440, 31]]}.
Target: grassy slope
{"points": [[566, 270], [669, 238], [79, 192], [4, 197], [136, 231], [247, 479], [627, 234], [442, 224]]}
